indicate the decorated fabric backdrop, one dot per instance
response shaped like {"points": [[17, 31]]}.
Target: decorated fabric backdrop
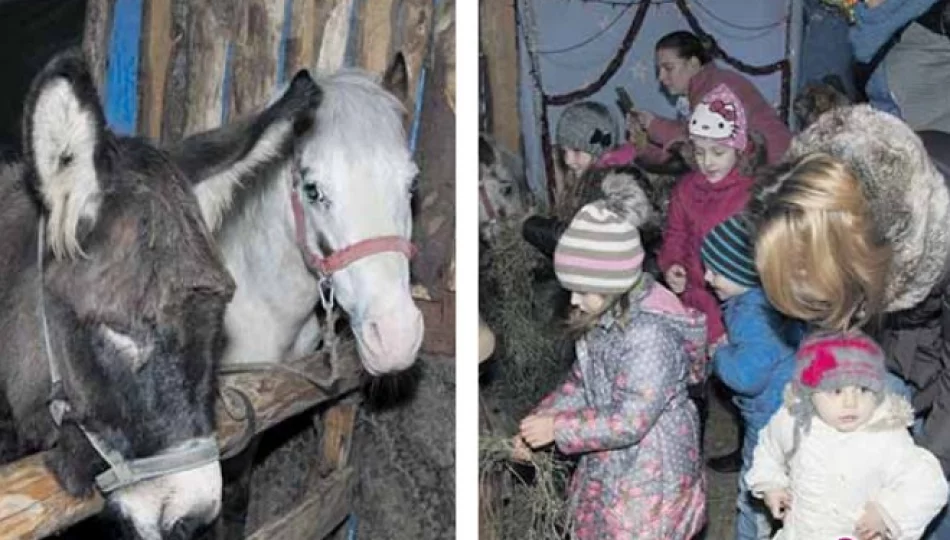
{"points": [[577, 40]]}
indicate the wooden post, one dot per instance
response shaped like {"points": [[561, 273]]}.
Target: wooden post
{"points": [[301, 43], [336, 33], [157, 43], [209, 31], [256, 53], [415, 23], [499, 41], [376, 27]]}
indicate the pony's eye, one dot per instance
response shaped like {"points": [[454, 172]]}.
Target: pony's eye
{"points": [[314, 194]]}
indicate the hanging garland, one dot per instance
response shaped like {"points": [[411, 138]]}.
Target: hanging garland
{"points": [[612, 67], [784, 65]]}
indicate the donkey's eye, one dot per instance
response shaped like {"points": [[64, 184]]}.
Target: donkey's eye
{"points": [[314, 194]]}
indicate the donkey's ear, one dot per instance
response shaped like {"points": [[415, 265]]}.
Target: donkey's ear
{"points": [[63, 125], [396, 78]]}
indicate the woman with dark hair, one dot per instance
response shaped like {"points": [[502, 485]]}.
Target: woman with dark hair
{"points": [[686, 70]]}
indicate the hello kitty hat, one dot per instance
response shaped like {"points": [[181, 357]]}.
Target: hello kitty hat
{"points": [[721, 117]]}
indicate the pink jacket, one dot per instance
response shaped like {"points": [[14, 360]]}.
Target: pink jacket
{"points": [[696, 206], [761, 116]]}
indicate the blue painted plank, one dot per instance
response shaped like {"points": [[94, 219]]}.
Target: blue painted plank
{"points": [[353, 34], [122, 74], [226, 82], [284, 42]]}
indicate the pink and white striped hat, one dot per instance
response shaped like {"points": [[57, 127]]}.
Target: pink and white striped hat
{"points": [[720, 116], [600, 252]]}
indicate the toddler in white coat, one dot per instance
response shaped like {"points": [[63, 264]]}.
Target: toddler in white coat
{"points": [[837, 460]]}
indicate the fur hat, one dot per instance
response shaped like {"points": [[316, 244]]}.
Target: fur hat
{"points": [[587, 126], [720, 116], [829, 361], [600, 252], [728, 251], [908, 197]]}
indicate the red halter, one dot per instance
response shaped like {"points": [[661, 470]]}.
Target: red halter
{"points": [[486, 202], [326, 266]]}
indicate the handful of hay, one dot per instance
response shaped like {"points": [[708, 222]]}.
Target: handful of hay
{"points": [[533, 508]]}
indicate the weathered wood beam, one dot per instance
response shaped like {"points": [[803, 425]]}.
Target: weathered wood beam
{"points": [[255, 56], [301, 46], [210, 28], [376, 35], [336, 33], [33, 505], [499, 41], [415, 25], [316, 517], [156, 51]]}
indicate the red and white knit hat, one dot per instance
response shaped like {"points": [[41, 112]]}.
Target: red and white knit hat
{"points": [[829, 361], [600, 252], [720, 116]]}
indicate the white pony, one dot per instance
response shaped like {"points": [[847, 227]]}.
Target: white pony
{"points": [[352, 177]]}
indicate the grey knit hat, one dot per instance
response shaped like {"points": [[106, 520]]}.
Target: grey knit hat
{"points": [[587, 126], [829, 361]]}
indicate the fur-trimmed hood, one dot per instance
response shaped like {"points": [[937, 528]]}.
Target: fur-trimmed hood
{"points": [[908, 196]]}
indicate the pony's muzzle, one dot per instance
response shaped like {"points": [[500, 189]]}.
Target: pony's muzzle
{"points": [[167, 506], [389, 343]]}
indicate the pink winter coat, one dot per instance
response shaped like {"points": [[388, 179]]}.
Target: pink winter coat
{"points": [[696, 206], [761, 116]]}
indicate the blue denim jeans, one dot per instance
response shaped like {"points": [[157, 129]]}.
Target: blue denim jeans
{"points": [[752, 521]]}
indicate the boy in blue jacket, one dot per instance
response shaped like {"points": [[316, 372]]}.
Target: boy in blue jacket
{"points": [[758, 358]]}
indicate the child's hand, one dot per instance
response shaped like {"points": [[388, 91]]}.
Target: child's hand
{"points": [[870, 525], [778, 501], [538, 430], [676, 278], [520, 450]]}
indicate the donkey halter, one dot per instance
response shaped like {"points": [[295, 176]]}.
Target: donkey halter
{"points": [[122, 472]]}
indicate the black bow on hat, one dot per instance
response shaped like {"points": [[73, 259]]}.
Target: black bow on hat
{"points": [[601, 138]]}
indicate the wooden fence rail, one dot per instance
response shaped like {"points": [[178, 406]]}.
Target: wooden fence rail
{"points": [[33, 505]]}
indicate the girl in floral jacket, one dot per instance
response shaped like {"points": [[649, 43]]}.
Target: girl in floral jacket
{"points": [[624, 409]]}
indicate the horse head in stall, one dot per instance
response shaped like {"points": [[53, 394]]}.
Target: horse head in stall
{"points": [[503, 192], [112, 298], [331, 226]]}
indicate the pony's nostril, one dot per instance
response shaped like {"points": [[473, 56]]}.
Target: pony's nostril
{"points": [[183, 529]]}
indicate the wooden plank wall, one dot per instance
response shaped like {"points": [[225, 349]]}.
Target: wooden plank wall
{"points": [[199, 64], [498, 40]]}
